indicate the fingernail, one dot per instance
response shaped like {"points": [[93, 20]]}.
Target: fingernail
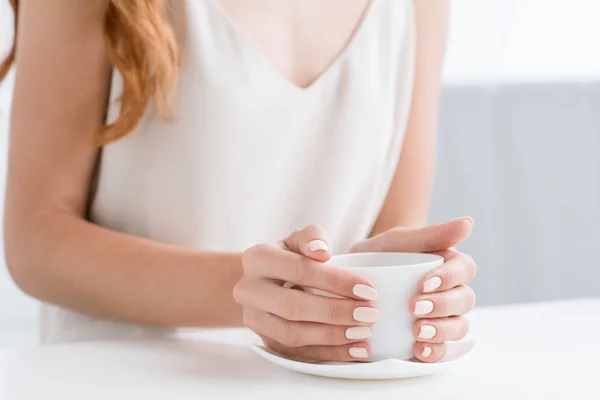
{"points": [[427, 332], [431, 284], [365, 314], [423, 307], [365, 292], [317, 245], [426, 352], [358, 352], [358, 332], [471, 220]]}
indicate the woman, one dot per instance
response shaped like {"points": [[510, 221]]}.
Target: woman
{"points": [[283, 115]]}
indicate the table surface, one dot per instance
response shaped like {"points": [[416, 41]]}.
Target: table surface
{"points": [[532, 351]]}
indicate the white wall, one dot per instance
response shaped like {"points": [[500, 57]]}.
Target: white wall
{"points": [[523, 41]]}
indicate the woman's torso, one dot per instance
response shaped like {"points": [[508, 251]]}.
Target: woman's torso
{"points": [[250, 156]]}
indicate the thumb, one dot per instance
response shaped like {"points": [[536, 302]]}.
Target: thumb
{"points": [[311, 242], [429, 239]]}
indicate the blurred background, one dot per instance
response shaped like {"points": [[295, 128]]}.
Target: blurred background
{"points": [[518, 150]]}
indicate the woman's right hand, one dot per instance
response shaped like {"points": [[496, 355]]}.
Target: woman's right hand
{"points": [[300, 324]]}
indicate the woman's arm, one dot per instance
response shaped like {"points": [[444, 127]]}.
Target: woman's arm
{"points": [[60, 98], [407, 202]]}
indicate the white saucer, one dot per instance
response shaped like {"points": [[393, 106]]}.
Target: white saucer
{"points": [[386, 369]]}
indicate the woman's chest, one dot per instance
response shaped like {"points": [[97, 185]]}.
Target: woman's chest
{"points": [[300, 39]]}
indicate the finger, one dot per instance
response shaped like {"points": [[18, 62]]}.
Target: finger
{"points": [[272, 262], [432, 238], [298, 334], [311, 242], [349, 352], [440, 330], [430, 352], [458, 269], [457, 301], [296, 305]]}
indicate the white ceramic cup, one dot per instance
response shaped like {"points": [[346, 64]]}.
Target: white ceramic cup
{"points": [[395, 276]]}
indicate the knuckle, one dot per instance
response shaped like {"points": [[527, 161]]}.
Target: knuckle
{"points": [[452, 277], [458, 298], [287, 309], [329, 338], [471, 265], [335, 312], [442, 307], [339, 353], [336, 280], [252, 251], [462, 328], [252, 254], [287, 335], [263, 248], [470, 298], [239, 292], [247, 258], [301, 271], [451, 302]]}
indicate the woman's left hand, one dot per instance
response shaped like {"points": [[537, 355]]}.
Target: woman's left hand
{"points": [[443, 297]]}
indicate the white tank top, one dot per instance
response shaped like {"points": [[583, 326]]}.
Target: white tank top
{"points": [[249, 157]]}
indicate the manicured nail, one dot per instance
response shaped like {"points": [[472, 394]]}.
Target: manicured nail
{"points": [[317, 245], [364, 292], [426, 352], [365, 314], [431, 284], [423, 307], [358, 352], [471, 220], [427, 332], [358, 332]]}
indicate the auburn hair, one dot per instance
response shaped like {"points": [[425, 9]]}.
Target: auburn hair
{"points": [[141, 44]]}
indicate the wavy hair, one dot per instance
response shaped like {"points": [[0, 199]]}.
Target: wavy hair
{"points": [[141, 44]]}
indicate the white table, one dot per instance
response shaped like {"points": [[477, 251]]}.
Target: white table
{"points": [[524, 351]]}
